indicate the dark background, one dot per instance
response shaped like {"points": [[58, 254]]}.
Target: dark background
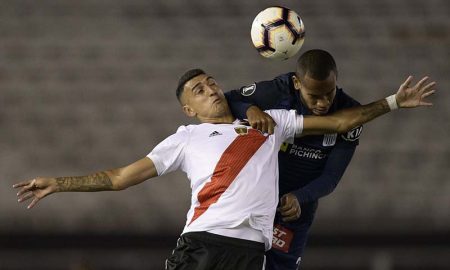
{"points": [[90, 85]]}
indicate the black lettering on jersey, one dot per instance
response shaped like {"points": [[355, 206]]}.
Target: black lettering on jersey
{"points": [[353, 134], [248, 90], [215, 133]]}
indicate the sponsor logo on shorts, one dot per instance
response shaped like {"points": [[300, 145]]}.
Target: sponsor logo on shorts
{"points": [[282, 238], [248, 90]]}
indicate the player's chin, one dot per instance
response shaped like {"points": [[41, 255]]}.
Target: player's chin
{"points": [[319, 112]]}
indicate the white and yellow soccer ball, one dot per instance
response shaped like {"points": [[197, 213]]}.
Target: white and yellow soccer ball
{"points": [[278, 33]]}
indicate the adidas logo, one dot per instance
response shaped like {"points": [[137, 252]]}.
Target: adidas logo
{"points": [[215, 133]]}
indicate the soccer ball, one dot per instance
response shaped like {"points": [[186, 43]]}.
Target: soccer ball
{"points": [[277, 33]]}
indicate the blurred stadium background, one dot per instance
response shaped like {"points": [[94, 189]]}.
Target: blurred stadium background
{"points": [[89, 85]]}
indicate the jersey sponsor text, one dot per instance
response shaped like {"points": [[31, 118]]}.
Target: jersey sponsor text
{"points": [[307, 152]]}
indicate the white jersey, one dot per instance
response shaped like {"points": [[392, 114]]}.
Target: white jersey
{"points": [[233, 170]]}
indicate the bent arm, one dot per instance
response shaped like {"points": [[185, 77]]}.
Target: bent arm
{"points": [[132, 174], [238, 104]]}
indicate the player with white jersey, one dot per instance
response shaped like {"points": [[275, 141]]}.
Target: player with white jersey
{"points": [[220, 196], [232, 168]]}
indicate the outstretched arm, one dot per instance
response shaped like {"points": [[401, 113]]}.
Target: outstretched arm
{"points": [[116, 179], [406, 97]]}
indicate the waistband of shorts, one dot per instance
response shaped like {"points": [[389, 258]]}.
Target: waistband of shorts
{"points": [[243, 231], [216, 238]]}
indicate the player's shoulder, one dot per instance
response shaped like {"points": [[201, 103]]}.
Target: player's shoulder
{"points": [[184, 134], [196, 128], [282, 83], [185, 130], [285, 82], [285, 78], [182, 129], [344, 100]]}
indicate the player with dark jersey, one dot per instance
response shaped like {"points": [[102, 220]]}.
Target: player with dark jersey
{"points": [[310, 167]]}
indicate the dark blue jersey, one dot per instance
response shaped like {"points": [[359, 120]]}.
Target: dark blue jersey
{"points": [[312, 166]]}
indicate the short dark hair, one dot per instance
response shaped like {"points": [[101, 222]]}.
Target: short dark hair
{"points": [[185, 78], [317, 64]]}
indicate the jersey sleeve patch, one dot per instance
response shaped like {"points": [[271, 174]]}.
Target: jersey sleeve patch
{"points": [[353, 134], [248, 90]]}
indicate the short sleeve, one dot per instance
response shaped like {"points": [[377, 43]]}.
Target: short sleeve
{"points": [[286, 122], [168, 155]]}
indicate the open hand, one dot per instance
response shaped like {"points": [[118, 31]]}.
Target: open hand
{"points": [[414, 96], [35, 189]]}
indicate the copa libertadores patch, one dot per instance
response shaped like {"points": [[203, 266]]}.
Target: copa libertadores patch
{"points": [[248, 90], [353, 134]]}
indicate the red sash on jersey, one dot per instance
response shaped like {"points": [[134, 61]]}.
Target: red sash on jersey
{"points": [[229, 166]]}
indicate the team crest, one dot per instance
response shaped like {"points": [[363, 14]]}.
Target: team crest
{"points": [[284, 146], [329, 139], [241, 130], [353, 134], [248, 90]]}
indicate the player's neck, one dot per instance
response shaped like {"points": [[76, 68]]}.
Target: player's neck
{"points": [[223, 119]]}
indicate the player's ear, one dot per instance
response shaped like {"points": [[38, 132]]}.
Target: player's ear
{"points": [[189, 111], [296, 81]]}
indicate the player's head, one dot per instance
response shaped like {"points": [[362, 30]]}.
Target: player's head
{"points": [[315, 78], [200, 96]]}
